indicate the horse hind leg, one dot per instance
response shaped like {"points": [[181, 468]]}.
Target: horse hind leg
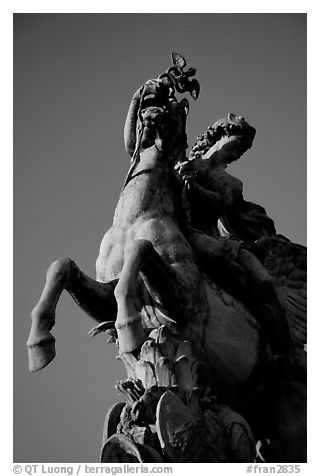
{"points": [[160, 280], [95, 298]]}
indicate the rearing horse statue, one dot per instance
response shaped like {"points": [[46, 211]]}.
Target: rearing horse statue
{"points": [[148, 273]]}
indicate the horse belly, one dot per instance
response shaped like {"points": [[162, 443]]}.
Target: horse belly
{"points": [[171, 245], [111, 255], [166, 239]]}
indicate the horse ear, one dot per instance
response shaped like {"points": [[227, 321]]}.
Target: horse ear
{"points": [[185, 103]]}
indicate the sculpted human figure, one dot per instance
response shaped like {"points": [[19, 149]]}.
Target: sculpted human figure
{"points": [[205, 176], [223, 226]]}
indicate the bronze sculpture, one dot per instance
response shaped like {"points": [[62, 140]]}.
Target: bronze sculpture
{"points": [[206, 378]]}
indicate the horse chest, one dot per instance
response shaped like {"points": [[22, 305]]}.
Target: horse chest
{"points": [[146, 210]]}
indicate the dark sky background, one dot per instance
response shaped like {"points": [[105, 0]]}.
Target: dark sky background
{"points": [[74, 75]]}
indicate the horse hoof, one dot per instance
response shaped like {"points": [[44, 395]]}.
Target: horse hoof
{"points": [[130, 335], [41, 353]]}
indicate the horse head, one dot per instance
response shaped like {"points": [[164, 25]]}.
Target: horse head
{"points": [[156, 118]]}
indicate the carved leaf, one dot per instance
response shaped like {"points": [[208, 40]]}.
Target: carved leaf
{"points": [[145, 373], [101, 327], [111, 421], [175, 423], [150, 352], [182, 370], [185, 103], [194, 88], [164, 374], [148, 444], [142, 435], [166, 342], [120, 449], [199, 372], [184, 349], [111, 335], [144, 410], [130, 389], [190, 72], [130, 363], [178, 60]]}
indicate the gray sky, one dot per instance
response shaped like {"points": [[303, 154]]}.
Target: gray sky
{"points": [[74, 75]]}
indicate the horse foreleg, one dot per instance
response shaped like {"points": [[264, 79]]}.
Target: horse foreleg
{"points": [[95, 298], [160, 280]]}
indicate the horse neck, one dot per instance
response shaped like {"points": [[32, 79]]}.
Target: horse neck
{"points": [[150, 191]]}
